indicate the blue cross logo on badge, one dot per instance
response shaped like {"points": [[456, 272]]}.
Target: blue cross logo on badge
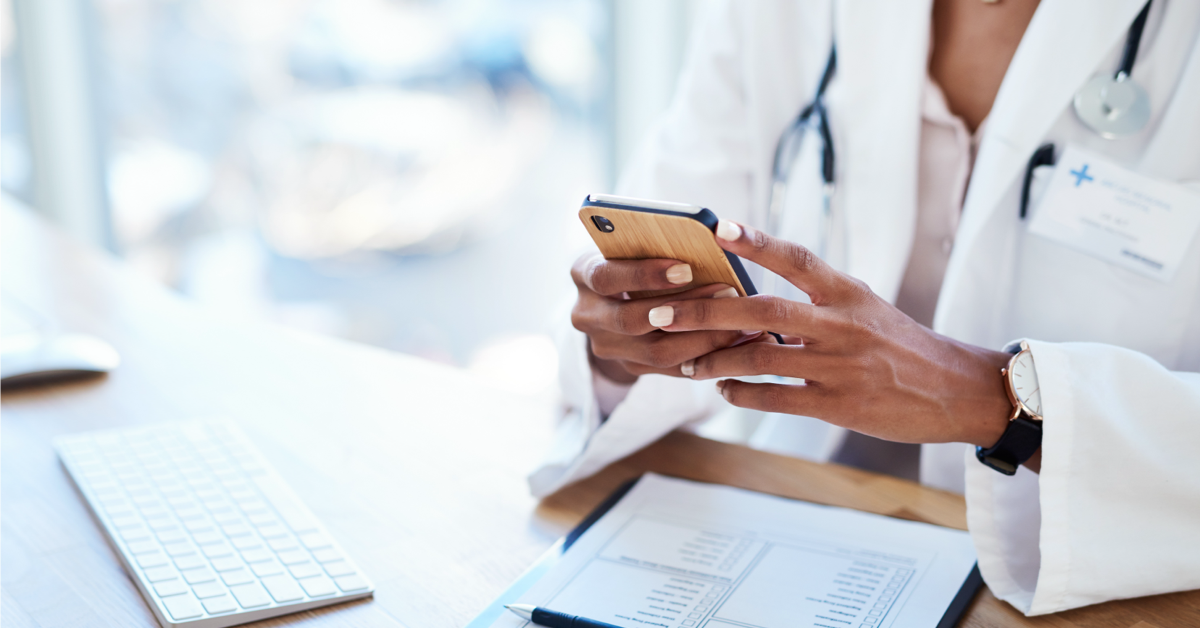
{"points": [[1082, 175]]}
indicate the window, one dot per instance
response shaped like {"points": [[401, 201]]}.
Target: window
{"points": [[397, 173], [16, 161]]}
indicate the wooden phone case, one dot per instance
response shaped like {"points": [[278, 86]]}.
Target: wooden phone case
{"points": [[659, 235]]}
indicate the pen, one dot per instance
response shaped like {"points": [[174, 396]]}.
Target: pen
{"points": [[553, 619]]}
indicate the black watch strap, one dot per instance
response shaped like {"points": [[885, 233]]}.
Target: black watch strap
{"points": [[1020, 441]]}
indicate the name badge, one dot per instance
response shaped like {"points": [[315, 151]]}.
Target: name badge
{"points": [[1121, 217]]}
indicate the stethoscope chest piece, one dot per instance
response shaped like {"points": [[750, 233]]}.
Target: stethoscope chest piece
{"points": [[1114, 107]]}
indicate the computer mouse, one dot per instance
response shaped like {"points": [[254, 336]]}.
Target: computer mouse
{"points": [[34, 358]]}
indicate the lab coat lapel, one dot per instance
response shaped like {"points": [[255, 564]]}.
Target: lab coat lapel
{"points": [[875, 112], [1062, 48]]}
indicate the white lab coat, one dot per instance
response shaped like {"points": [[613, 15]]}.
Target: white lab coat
{"points": [[1115, 512]]}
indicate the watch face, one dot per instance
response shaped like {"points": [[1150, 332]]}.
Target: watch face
{"points": [[1024, 381]]}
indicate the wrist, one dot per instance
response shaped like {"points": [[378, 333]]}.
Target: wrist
{"points": [[993, 410]]}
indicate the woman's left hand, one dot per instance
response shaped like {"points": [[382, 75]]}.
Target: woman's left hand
{"points": [[866, 365]]}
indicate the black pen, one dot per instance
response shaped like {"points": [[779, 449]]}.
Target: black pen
{"points": [[553, 619]]}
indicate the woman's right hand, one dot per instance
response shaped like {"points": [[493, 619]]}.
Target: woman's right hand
{"points": [[623, 343]]}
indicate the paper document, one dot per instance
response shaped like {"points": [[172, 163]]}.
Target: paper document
{"points": [[679, 554]]}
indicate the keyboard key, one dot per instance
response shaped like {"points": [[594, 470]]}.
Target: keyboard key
{"points": [[174, 586], [135, 533], [218, 605], [179, 549], [250, 595], [272, 531], [262, 519], [147, 501], [152, 559], [189, 514], [233, 530], [162, 524], [280, 497], [283, 543], [314, 540], [291, 557], [182, 607], [349, 584], [319, 586], [282, 588], [158, 574], [198, 575], [326, 555], [254, 506], [170, 535], [142, 547], [236, 577], [105, 490], [246, 542], [304, 570], [204, 538], [190, 561], [198, 525], [339, 568], [225, 563], [210, 495], [269, 568], [182, 502], [225, 518], [126, 521], [152, 515], [256, 555], [217, 550], [243, 496], [208, 589]]}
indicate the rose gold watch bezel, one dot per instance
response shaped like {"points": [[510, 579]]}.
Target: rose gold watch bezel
{"points": [[1018, 405]]}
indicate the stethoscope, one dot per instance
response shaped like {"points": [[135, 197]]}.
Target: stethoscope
{"points": [[1114, 106]]}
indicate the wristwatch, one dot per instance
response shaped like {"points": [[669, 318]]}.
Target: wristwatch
{"points": [[1023, 437]]}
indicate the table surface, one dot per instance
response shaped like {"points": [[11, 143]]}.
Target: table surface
{"points": [[417, 469]]}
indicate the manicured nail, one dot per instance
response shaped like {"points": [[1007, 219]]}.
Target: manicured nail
{"points": [[662, 316], [726, 293], [728, 230], [688, 368], [679, 274]]}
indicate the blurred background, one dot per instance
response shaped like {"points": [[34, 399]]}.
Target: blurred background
{"points": [[403, 173]]}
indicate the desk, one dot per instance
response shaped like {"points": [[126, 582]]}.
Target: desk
{"points": [[417, 469]]}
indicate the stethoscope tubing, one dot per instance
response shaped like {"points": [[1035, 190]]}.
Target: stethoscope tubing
{"points": [[788, 145]]}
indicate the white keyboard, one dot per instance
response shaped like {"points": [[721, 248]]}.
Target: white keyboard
{"points": [[210, 533]]}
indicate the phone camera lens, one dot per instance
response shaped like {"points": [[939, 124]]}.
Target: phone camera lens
{"points": [[603, 224]]}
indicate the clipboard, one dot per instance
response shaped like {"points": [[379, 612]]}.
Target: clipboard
{"points": [[548, 560]]}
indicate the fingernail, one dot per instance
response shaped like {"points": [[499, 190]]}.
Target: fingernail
{"points": [[726, 293], [688, 368], [750, 332], [728, 230], [662, 316], [720, 384], [679, 274]]}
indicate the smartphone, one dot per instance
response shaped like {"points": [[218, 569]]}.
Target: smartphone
{"points": [[634, 228]]}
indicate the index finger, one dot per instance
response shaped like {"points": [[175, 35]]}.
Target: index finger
{"points": [[612, 277], [798, 265]]}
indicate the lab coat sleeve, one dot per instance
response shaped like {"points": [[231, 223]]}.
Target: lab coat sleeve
{"points": [[697, 153], [1115, 511]]}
